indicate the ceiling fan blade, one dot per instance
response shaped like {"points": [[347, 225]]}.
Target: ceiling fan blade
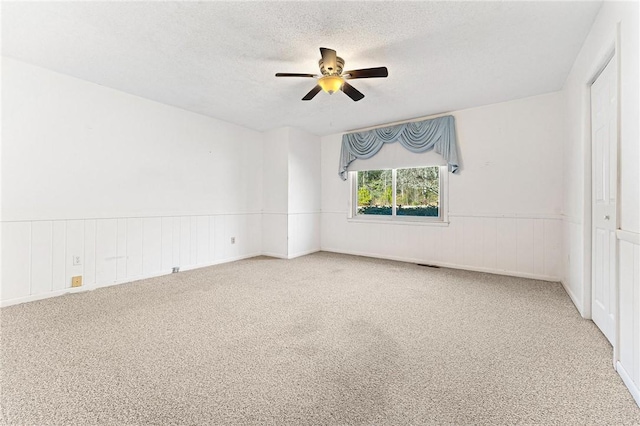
{"points": [[288, 74], [328, 58], [367, 73], [351, 92], [312, 93]]}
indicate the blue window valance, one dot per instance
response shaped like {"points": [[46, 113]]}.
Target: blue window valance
{"points": [[438, 134]]}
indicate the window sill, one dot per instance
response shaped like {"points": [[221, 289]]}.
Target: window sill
{"points": [[395, 221]]}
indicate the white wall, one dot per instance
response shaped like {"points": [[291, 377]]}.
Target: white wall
{"points": [[304, 193], [291, 224], [504, 205], [577, 167], [131, 186], [275, 195]]}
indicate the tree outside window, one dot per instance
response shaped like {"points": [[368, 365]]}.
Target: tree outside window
{"points": [[417, 192]]}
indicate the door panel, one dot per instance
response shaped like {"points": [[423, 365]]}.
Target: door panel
{"points": [[604, 184]]}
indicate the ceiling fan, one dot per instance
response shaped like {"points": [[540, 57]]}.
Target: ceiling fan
{"points": [[332, 78]]}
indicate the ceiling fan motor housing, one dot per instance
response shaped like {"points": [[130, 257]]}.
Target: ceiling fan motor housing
{"points": [[329, 71]]}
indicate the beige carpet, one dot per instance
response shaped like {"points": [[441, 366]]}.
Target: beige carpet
{"points": [[322, 339]]}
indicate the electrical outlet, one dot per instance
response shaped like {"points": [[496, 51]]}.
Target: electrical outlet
{"points": [[77, 260], [233, 240], [76, 281]]}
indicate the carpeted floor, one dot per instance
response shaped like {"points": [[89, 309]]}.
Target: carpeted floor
{"points": [[322, 339]]}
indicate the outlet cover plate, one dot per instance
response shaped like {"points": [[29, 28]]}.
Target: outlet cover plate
{"points": [[76, 281]]}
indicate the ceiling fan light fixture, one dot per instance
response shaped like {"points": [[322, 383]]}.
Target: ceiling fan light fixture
{"points": [[332, 79], [331, 83]]}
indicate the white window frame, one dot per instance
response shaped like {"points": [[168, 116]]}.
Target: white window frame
{"points": [[441, 220]]}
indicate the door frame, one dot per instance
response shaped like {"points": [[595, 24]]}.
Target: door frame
{"points": [[610, 53]]}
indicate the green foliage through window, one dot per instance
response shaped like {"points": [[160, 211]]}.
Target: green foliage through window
{"points": [[417, 192], [364, 196]]}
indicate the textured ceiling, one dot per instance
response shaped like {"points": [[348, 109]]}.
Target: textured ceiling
{"points": [[219, 58]]}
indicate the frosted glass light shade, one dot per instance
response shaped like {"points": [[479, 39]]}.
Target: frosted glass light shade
{"points": [[331, 83]]}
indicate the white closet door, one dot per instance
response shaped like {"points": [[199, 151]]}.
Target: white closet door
{"points": [[604, 140]]}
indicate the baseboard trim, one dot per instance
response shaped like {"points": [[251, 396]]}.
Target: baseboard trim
{"points": [[276, 255], [35, 297], [71, 290], [303, 253], [291, 256], [626, 378], [448, 265], [573, 298]]}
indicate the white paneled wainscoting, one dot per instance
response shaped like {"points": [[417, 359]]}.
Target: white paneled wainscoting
{"points": [[575, 249], [40, 257], [628, 364], [520, 245]]}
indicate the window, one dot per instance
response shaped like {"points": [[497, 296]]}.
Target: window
{"points": [[375, 192], [399, 193]]}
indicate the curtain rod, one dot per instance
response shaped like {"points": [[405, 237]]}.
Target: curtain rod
{"points": [[395, 123]]}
